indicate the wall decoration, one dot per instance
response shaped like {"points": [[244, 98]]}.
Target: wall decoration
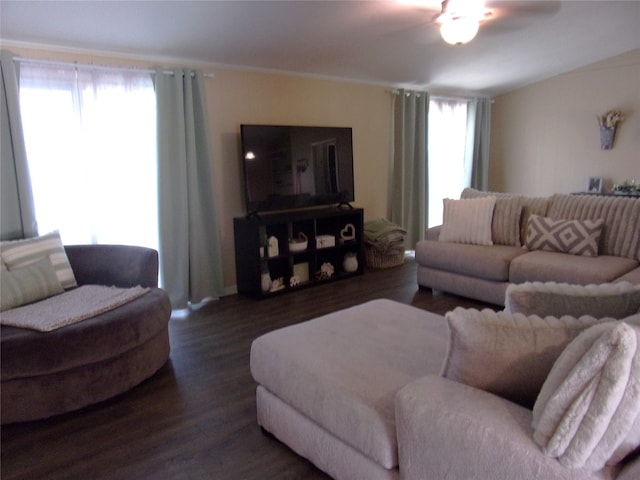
{"points": [[608, 125]]}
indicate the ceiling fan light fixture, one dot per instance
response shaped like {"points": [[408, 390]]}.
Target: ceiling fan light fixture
{"points": [[459, 30]]}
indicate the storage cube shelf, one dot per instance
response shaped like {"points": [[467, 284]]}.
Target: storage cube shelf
{"points": [[332, 234]]}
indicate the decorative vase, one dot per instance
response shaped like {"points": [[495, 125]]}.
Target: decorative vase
{"points": [[350, 262], [607, 136], [272, 247], [265, 281]]}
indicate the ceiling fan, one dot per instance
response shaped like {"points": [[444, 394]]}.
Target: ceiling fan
{"points": [[460, 20]]}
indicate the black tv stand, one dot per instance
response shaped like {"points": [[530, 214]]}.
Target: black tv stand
{"points": [[335, 240]]}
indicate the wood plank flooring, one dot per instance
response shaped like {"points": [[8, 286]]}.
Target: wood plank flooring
{"points": [[195, 419]]}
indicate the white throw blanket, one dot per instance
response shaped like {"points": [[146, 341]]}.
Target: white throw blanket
{"points": [[70, 307]]}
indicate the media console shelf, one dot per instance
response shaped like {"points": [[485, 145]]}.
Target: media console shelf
{"points": [[335, 249]]}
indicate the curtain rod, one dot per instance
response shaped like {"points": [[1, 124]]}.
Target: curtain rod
{"points": [[432, 96], [98, 67], [435, 96]]}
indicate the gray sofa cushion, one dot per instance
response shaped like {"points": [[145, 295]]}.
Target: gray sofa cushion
{"points": [[488, 262], [632, 277], [540, 266], [343, 370]]}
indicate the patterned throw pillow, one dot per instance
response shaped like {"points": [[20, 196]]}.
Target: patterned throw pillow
{"points": [[20, 253], [577, 237]]}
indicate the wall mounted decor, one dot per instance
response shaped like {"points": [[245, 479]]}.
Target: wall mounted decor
{"points": [[608, 125]]}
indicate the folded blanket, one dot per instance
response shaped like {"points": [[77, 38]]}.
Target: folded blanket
{"points": [[70, 307], [377, 229], [388, 247]]}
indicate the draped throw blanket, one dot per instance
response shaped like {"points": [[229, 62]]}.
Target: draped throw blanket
{"points": [[70, 307]]}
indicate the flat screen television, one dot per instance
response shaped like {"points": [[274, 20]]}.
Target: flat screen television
{"points": [[290, 167]]}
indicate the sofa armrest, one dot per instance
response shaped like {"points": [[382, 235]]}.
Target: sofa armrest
{"points": [[433, 233], [118, 265], [450, 430]]}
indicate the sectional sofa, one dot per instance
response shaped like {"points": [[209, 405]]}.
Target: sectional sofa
{"points": [[580, 239], [386, 391]]}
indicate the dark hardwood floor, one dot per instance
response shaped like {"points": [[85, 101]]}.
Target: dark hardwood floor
{"points": [[195, 419]]}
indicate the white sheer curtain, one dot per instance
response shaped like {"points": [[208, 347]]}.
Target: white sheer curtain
{"points": [[90, 136], [449, 166]]}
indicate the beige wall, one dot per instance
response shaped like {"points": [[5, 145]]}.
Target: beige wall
{"points": [[243, 96], [237, 97], [545, 137]]}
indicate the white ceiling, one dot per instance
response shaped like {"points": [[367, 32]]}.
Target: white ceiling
{"points": [[382, 42]]}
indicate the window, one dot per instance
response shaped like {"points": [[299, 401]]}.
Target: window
{"points": [[447, 139], [90, 136]]}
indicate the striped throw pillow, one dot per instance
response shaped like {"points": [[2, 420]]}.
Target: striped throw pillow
{"points": [[20, 253], [577, 237], [468, 220], [28, 284]]}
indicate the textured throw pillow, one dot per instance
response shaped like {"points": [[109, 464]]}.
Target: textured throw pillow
{"points": [[468, 220], [20, 253], [28, 284], [506, 354], [505, 226], [588, 411], [614, 300], [577, 237]]}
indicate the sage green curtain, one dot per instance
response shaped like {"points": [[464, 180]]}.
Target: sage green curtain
{"points": [[17, 210], [478, 139], [409, 164], [190, 252]]}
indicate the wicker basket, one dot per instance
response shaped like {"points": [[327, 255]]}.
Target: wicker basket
{"points": [[375, 259]]}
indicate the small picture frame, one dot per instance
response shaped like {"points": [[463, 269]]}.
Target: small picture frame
{"points": [[594, 185]]}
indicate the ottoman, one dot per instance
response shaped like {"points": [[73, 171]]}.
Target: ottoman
{"points": [[327, 387]]}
